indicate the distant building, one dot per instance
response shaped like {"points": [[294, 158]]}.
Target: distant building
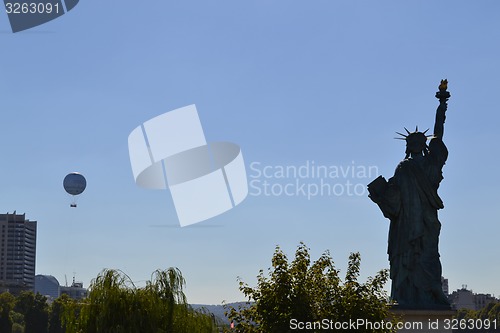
{"points": [[481, 300], [76, 291], [17, 253], [466, 299], [462, 299], [47, 285], [444, 284]]}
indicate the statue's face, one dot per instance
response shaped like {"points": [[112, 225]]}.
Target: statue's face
{"points": [[415, 143], [415, 147]]}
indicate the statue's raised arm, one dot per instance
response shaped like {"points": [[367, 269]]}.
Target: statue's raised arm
{"points": [[443, 96]]}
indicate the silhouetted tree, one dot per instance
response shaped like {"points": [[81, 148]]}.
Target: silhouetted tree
{"points": [[35, 311], [309, 293], [56, 313], [7, 302]]}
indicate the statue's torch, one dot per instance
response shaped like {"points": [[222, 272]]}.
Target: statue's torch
{"points": [[442, 94]]}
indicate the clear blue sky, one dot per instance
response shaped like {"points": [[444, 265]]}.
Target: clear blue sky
{"points": [[290, 82]]}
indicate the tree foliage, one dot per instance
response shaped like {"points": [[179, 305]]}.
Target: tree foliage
{"points": [[115, 305], [310, 292], [7, 302], [35, 310], [491, 311], [56, 312]]}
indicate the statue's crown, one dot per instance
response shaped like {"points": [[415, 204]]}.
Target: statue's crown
{"points": [[415, 136]]}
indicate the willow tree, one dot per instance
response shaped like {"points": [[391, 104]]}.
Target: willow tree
{"points": [[116, 305]]}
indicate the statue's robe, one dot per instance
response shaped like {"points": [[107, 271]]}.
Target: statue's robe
{"points": [[411, 203]]}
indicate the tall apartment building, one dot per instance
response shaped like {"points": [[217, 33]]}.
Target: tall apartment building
{"points": [[17, 253], [444, 285]]}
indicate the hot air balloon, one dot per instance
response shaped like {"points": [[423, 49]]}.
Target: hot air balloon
{"points": [[74, 183]]}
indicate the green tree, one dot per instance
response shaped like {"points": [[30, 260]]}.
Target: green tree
{"points": [[486, 312], [35, 311], [494, 313], [310, 292], [490, 312], [465, 314], [115, 305], [17, 328], [7, 302], [17, 321], [56, 312]]}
